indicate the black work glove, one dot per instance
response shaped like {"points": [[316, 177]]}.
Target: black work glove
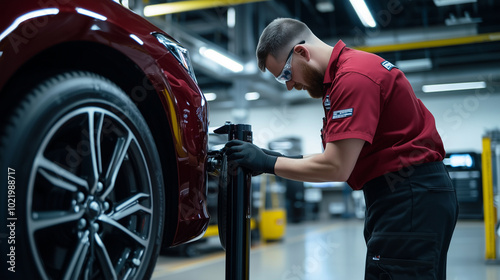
{"points": [[274, 153], [248, 155]]}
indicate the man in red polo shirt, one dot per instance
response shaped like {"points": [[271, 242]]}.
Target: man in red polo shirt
{"points": [[377, 136]]}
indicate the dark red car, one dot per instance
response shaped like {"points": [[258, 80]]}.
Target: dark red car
{"points": [[103, 142]]}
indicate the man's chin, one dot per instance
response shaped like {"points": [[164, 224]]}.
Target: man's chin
{"points": [[299, 87], [314, 93]]}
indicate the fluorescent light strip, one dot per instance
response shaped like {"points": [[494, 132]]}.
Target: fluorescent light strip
{"points": [[441, 3], [221, 59], [325, 6], [414, 64], [363, 13], [231, 17], [189, 5], [210, 96], [453, 87], [252, 95]]}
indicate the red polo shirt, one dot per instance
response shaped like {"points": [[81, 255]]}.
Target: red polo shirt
{"points": [[368, 98]]}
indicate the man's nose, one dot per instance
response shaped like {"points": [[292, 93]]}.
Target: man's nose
{"points": [[290, 84]]}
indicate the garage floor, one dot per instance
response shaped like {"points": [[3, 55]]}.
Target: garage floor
{"points": [[331, 249]]}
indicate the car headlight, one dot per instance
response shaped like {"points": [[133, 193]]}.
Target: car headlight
{"points": [[178, 51]]}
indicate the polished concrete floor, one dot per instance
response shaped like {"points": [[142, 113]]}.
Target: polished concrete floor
{"points": [[332, 249]]}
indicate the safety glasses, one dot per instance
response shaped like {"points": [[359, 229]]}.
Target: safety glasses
{"points": [[286, 73]]}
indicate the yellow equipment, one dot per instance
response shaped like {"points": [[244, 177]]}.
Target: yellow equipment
{"points": [[490, 155], [272, 221]]}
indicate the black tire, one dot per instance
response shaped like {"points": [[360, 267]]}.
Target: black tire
{"points": [[87, 183]]}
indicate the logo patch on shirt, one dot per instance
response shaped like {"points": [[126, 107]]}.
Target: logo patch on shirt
{"points": [[326, 104], [340, 114], [387, 65]]}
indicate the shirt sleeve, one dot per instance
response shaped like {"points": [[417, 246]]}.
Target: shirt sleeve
{"points": [[355, 108]]}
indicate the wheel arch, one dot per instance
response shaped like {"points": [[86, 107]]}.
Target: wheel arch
{"points": [[97, 58]]}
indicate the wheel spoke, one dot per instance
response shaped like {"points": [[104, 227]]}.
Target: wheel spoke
{"points": [[121, 148], [104, 260], [46, 219], [95, 144], [59, 176], [76, 264], [126, 231], [130, 206]]}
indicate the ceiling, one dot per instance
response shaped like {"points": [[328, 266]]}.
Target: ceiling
{"points": [[442, 43]]}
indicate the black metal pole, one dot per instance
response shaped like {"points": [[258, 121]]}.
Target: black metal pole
{"points": [[238, 212]]}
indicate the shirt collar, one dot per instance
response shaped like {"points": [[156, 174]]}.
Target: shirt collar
{"points": [[332, 65]]}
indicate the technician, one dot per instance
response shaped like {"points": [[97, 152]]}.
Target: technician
{"points": [[377, 136]]}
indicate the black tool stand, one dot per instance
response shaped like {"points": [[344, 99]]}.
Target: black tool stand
{"points": [[235, 232]]}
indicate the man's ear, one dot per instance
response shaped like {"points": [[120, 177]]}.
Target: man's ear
{"points": [[302, 51]]}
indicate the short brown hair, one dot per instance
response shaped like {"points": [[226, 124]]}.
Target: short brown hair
{"points": [[278, 36]]}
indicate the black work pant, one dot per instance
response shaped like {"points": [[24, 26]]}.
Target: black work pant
{"points": [[410, 218]]}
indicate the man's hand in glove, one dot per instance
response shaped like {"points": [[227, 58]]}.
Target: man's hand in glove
{"points": [[250, 156]]}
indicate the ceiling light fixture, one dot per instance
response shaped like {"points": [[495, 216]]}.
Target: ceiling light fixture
{"points": [[413, 65], [210, 96], [440, 3], [363, 13], [453, 86], [325, 6], [191, 5], [231, 17], [252, 95], [221, 59], [466, 19]]}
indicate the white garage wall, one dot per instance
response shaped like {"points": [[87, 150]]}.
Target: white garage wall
{"points": [[461, 120], [268, 123]]}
